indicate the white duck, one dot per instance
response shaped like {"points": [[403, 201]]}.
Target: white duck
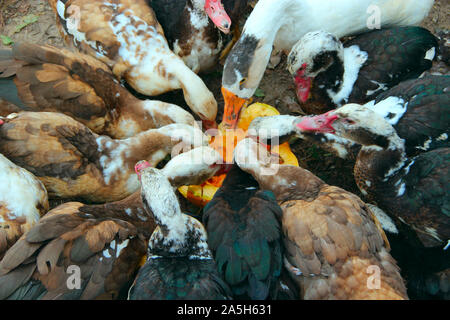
{"points": [[279, 24]]}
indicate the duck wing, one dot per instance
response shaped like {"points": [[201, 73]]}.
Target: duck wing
{"points": [[47, 78], [106, 252], [425, 122], [394, 55]]}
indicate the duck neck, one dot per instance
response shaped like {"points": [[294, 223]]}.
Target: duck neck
{"points": [[381, 170], [152, 145], [285, 181], [267, 18], [142, 115], [345, 73], [164, 206], [177, 234], [196, 94]]}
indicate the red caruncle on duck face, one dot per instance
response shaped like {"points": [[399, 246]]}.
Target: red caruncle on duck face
{"points": [[218, 15], [322, 123], [302, 84]]}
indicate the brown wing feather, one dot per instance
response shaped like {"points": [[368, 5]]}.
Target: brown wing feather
{"points": [[58, 150], [55, 79], [67, 237]]}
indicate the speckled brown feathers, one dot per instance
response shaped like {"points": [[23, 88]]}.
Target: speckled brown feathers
{"points": [[94, 23], [58, 80], [333, 241], [40, 142], [107, 243], [52, 79], [73, 162]]}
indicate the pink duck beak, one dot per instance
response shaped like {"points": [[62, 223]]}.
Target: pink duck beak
{"points": [[139, 166], [218, 15], [321, 123]]}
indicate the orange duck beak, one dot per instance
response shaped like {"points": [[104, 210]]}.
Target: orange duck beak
{"points": [[216, 12], [232, 108]]}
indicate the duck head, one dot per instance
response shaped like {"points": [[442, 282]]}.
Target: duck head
{"points": [[242, 73], [194, 167], [216, 12], [177, 234], [273, 129], [254, 158], [315, 53], [355, 122], [278, 129]]}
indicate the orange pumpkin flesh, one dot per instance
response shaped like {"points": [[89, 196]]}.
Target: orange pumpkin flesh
{"points": [[225, 142]]}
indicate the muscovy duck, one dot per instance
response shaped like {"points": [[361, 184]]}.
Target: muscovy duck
{"points": [[107, 242], [179, 264], [413, 190], [23, 200], [329, 74]]}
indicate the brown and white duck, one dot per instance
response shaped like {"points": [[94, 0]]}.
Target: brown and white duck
{"points": [[332, 240], [128, 38], [46, 78], [23, 200], [412, 190], [106, 242], [190, 29], [328, 73], [74, 162], [180, 264]]}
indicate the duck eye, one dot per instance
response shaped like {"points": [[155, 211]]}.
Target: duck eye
{"points": [[348, 121], [241, 83], [292, 59]]}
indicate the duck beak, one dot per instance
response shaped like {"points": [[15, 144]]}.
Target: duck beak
{"points": [[232, 108], [218, 15], [209, 124], [302, 85], [322, 123]]}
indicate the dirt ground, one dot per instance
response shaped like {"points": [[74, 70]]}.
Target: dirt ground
{"points": [[277, 86]]}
